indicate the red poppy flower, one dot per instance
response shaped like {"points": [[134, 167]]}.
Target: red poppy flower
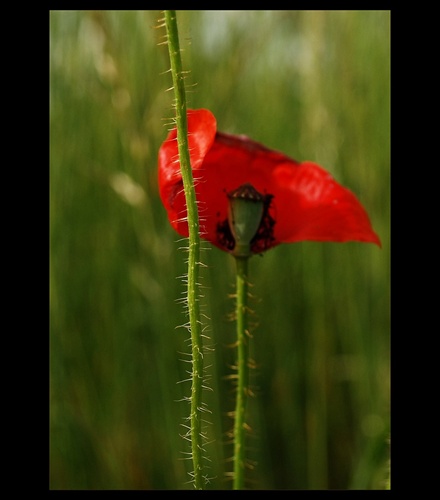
{"points": [[301, 200]]}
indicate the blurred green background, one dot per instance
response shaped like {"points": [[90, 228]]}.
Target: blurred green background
{"points": [[313, 84]]}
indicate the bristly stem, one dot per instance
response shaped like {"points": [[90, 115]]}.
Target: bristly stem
{"points": [[243, 372], [194, 245]]}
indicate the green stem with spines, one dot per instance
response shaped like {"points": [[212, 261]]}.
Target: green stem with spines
{"points": [[194, 245], [243, 372]]}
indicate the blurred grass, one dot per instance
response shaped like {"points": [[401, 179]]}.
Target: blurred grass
{"points": [[313, 84]]}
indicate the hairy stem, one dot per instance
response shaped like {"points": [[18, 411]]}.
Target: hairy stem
{"points": [[194, 245], [243, 372]]}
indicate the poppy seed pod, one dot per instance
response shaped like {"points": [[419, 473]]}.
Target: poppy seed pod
{"points": [[245, 212]]}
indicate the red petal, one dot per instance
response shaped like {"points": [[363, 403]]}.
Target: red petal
{"points": [[308, 203], [202, 126], [315, 207], [231, 162]]}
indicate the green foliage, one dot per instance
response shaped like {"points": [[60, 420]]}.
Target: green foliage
{"points": [[313, 84]]}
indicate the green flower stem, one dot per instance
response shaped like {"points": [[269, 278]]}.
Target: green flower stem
{"points": [[194, 245], [243, 372]]}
